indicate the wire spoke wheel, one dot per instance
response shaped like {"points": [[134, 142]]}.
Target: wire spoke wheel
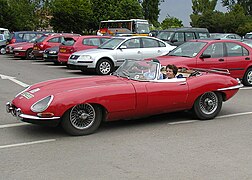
{"points": [[82, 116], [82, 119], [208, 105]]}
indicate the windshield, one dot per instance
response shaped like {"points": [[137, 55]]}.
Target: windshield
{"points": [[41, 39], [248, 36], [111, 44], [143, 28], [165, 35], [188, 49], [138, 70]]}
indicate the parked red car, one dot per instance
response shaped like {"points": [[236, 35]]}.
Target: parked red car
{"points": [[80, 104], [226, 54], [78, 43], [24, 49], [47, 41]]}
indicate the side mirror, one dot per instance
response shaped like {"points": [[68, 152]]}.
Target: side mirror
{"points": [[205, 56], [123, 47]]}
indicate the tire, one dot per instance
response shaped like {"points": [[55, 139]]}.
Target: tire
{"points": [[208, 105], [247, 79], [2, 50], [29, 55], [104, 67], [82, 119]]}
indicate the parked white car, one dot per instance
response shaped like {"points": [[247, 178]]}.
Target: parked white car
{"points": [[3, 41], [115, 51]]}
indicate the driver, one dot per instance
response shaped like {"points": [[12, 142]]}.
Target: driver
{"points": [[171, 71]]}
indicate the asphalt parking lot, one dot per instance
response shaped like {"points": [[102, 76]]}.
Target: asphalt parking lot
{"points": [[170, 146]]}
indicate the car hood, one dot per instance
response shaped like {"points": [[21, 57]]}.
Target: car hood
{"points": [[58, 86], [92, 51], [176, 60]]}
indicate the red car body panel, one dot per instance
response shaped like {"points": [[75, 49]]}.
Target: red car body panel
{"points": [[65, 51], [237, 65], [123, 98], [22, 52]]}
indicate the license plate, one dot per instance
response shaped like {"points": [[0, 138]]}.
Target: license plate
{"points": [[45, 55]]}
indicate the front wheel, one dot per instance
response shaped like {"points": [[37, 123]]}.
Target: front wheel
{"points": [[29, 55], [82, 119], [247, 79], [208, 105], [104, 67]]}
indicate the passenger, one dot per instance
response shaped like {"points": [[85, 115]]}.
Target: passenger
{"points": [[171, 71]]}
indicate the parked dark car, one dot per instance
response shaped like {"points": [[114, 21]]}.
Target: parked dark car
{"points": [[51, 54], [177, 36], [24, 36]]}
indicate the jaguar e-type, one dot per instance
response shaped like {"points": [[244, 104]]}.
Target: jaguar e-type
{"points": [[80, 104]]}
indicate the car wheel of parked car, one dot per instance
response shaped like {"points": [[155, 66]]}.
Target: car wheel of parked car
{"points": [[29, 55], [82, 119], [104, 67], [2, 51], [247, 79], [208, 105]]}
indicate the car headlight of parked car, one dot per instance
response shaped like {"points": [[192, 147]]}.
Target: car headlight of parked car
{"points": [[86, 57], [52, 52], [42, 104], [18, 48]]}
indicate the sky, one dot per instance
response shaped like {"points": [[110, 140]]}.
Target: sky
{"points": [[181, 9]]}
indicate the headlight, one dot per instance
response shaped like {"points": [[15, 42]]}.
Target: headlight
{"points": [[52, 52], [26, 89], [86, 57], [18, 48], [42, 104]]}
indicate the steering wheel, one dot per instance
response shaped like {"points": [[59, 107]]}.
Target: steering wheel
{"points": [[139, 76]]}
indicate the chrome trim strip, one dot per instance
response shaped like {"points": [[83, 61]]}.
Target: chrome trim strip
{"points": [[25, 116], [230, 88]]}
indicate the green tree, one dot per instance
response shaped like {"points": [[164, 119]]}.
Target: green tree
{"points": [[71, 15], [246, 4], [151, 11], [170, 22], [201, 6]]}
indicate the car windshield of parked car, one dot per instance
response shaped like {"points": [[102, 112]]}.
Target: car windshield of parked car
{"points": [[248, 36], [165, 35], [111, 44], [188, 49], [138, 70], [41, 39]]}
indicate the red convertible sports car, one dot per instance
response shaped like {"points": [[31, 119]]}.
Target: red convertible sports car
{"points": [[133, 91]]}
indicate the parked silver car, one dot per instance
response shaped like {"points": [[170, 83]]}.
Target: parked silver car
{"points": [[115, 51], [225, 36], [3, 42]]}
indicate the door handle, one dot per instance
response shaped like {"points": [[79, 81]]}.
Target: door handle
{"points": [[138, 52], [221, 60], [247, 58], [159, 51]]}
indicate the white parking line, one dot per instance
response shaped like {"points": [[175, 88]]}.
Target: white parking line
{"points": [[182, 122], [39, 63], [246, 88], [13, 125], [56, 66], [71, 71], [232, 115], [26, 143]]}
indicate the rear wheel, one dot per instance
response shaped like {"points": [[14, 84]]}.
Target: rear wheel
{"points": [[82, 119], [104, 67], [247, 79], [29, 55], [208, 105]]}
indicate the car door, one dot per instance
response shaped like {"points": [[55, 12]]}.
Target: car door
{"points": [[237, 59], [130, 49], [212, 57], [166, 96], [152, 48]]}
